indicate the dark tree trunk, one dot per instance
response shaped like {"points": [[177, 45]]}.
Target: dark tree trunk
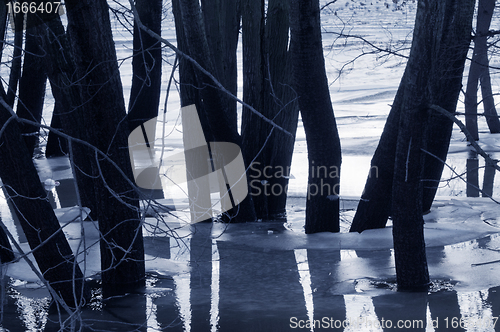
{"points": [[6, 253], [375, 204], [57, 146], [146, 64], [3, 27], [122, 250], [189, 87], [484, 16], [54, 257], [267, 80], [479, 72], [222, 23], [488, 180], [15, 71], [446, 84], [279, 97], [32, 87], [408, 223], [472, 176], [254, 131], [427, 82], [471, 98], [60, 69], [323, 144], [444, 79], [199, 190], [218, 119]]}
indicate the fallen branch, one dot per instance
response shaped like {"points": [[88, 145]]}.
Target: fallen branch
{"points": [[485, 263]]}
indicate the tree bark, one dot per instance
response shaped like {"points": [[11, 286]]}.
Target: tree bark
{"points": [[216, 113], [15, 71], [479, 72], [450, 38], [198, 189], [279, 97], [122, 250], [60, 68], [146, 64], [267, 80], [254, 131], [51, 250], [323, 143], [424, 84], [222, 24], [6, 253], [32, 87], [57, 146]]}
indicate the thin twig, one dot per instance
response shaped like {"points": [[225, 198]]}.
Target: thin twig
{"points": [[141, 26], [471, 139]]}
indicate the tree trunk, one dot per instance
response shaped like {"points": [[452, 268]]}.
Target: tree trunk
{"points": [[57, 146], [267, 81], [60, 69], [146, 64], [446, 85], [6, 253], [323, 144], [122, 250], [15, 71], [32, 87], [484, 16], [375, 204], [279, 97], [254, 131], [488, 180], [444, 68], [427, 82], [408, 224], [222, 23], [51, 250], [218, 118], [198, 190], [472, 176]]}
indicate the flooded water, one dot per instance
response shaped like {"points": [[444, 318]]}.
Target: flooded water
{"points": [[269, 276], [265, 276]]}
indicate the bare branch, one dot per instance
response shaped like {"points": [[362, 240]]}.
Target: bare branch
{"points": [[203, 70], [471, 139]]}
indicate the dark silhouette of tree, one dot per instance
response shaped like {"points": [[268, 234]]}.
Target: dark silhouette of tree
{"points": [[323, 143], [267, 78], [213, 101], [6, 253], [39, 223], [16, 65], [57, 146], [429, 80], [32, 86], [440, 85], [266, 88], [198, 191], [222, 27], [116, 201], [147, 61], [254, 132], [479, 72]]}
